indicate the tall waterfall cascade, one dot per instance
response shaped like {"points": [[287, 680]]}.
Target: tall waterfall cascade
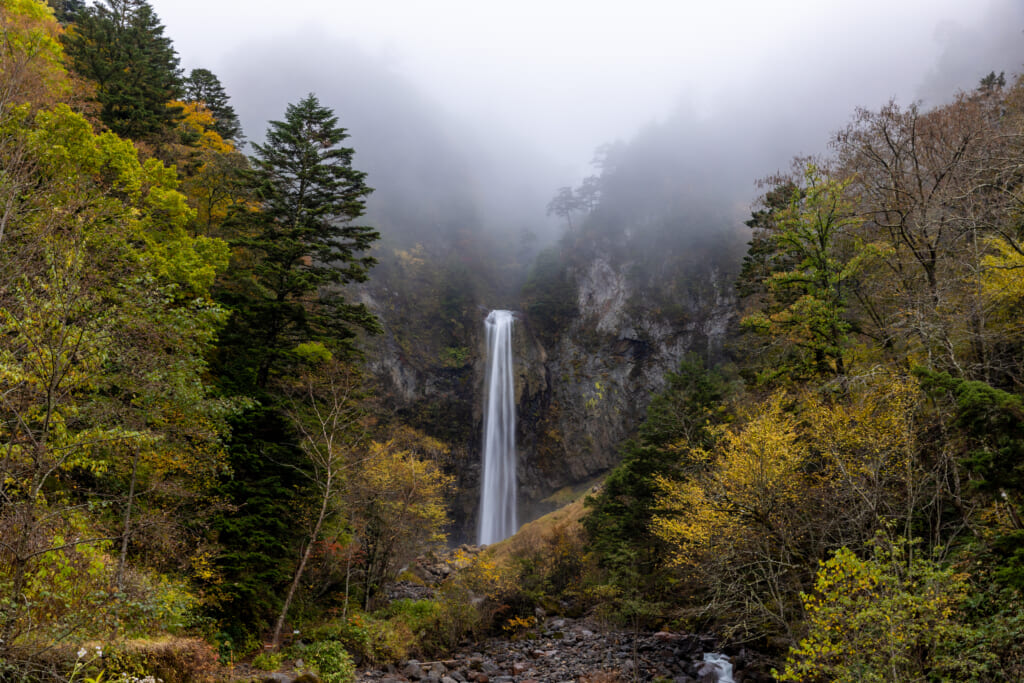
{"points": [[498, 488]]}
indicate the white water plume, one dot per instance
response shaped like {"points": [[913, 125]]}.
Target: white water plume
{"points": [[498, 489]]}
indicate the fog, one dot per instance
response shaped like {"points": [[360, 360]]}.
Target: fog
{"points": [[467, 112]]}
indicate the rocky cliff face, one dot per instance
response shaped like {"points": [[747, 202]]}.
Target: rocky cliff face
{"points": [[579, 393], [602, 372]]}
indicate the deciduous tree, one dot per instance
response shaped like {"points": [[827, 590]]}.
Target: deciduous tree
{"points": [[396, 503], [817, 252], [98, 275], [893, 616], [327, 409], [31, 59], [681, 417]]}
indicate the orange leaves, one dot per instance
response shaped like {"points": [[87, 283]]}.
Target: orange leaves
{"points": [[196, 126]]}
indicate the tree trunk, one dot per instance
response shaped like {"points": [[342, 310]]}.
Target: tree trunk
{"points": [[126, 527], [122, 559], [306, 552], [348, 577]]}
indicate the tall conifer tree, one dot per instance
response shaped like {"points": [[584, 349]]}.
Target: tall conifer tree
{"points": [[202, 85], [301, 245], [120, 44], [296, 250], [66, 11]]}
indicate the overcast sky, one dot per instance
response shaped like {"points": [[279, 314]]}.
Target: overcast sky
{"points": [[545, 82], [572, 74]]}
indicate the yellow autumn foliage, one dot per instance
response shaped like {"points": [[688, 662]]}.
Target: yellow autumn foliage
{"points": [[31, 57], [867, 444], [1002, 284], [752, 479]]}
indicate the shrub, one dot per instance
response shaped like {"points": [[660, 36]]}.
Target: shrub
{"points": [[174, 660], [332, 662], [352, 632], [391, 640], [888, 617], [457, 617], [268, 661]]}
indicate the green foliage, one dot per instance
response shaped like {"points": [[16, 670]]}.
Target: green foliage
{"points": [[151, 604], [893, 616], [106, 324], [120, 44], [549, 297], [680, 417], [64, 586], [401, 630], [66, 11], [469, 604], [351, 631], [991, 647], [297, 248], [254, 564], [418, 614], [331, 662], [456, 356], [994, 421], [268, 661], [549, 570], [294, 250], [111, 439], [313, 353], [763, 256], [991, 422], [805, 264]]}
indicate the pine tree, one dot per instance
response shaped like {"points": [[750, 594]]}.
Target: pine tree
{"points": [[202, 85], [120, 44]]}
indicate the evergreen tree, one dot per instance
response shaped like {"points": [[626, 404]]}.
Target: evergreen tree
{"points": [[202, 85], [991, 423], [120, 44], [798, 277], [266, 492], [66, 11], [680, 417], [300, 247]]}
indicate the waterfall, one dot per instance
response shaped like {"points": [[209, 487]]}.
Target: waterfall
{"points": [[498, 488]]}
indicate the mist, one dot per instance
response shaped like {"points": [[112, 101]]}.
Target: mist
{"points": [[470, 117]]}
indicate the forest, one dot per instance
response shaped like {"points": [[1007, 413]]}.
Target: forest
{"points": [[204, 475]]}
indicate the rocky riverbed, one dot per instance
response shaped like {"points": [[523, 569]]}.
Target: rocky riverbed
{"points": [[562, 649]]}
